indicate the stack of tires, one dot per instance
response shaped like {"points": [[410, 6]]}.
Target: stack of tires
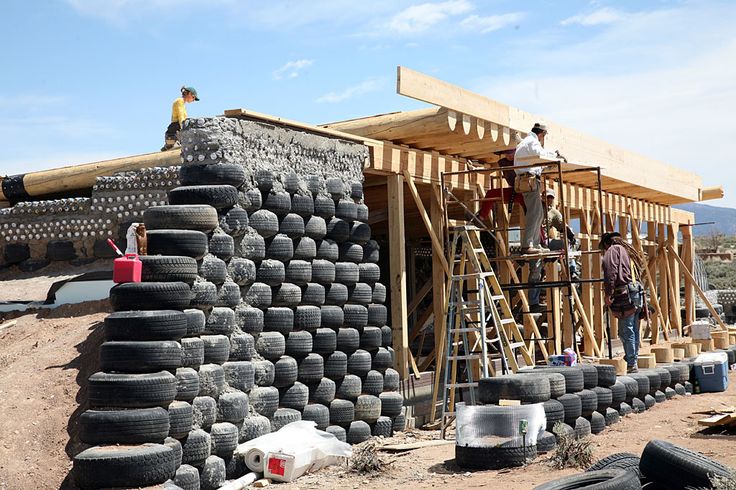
{"points": [[261, 305]]}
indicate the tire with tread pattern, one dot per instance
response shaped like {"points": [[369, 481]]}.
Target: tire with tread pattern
{"points": [[146, 325], [150, 296], [124, 466], [198, 217], [678, 467], [614, 479], [493, 458], [187, 243], [217, 196]]}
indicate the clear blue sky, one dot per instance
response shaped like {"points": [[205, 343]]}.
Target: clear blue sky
{"points": [[84, 80]]}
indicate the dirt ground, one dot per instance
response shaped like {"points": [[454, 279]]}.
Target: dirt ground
{"points": [[46, 358]]}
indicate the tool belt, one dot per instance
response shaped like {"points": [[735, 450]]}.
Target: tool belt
{"points": [[526, 183]]}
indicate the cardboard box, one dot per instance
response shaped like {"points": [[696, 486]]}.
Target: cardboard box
{"points": [[618, 363], [647, 361], [700, 330]]}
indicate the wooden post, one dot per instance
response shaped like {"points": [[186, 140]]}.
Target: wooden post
{"points": [[397, 266], [438, 272], [674, 267], [688, 254]]}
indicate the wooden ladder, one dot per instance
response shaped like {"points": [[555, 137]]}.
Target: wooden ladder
{"points": [[478, 317]]}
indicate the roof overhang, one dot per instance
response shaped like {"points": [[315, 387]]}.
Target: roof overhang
{"points": [[468, 125]]}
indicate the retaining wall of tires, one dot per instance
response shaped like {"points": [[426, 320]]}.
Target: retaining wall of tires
{"points": [[260, 306], [34, 234]]}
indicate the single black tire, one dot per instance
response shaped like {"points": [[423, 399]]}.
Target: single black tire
{"points": [[187, 243], [204, 295], [213, 473], [546, 442], [315, 228], [369, 273], [332, 317], [654, 379], [527, 389], [287, 295], [367, 408], [298, 272], [232, 406], [391, 380], [253, 200], [371, 251], [136, 356], [196, 448], [382, 359], [660, 396], [302, 205], [574, 381], [387, 338], [254, 426], [383, 427], [150, 296], [614, 479], [361, 294], [324, 207], [494, 457], [192, 352], [211, 380], [181, 418], [643, 382], [279, 203], [597, 423], [373, 383], [371, 339], [220, 321], [224, 437], [284, 416], [146, 325], [292, 225], [305, 248], [264, 222], [680, 389], [350, 252], [317, 413], [649, 401], [620, 461], [345, 209], [556, 380], [323, 272], [198, 217], [336, 294], [347, 273], [213, 269], [358, 431], [166, 268], [299, 344], [264, 400], [360, 232], [338, 230], [322, 392], [618, 394], [573, 407], [280, 247], [678, 467], [348, 340], [638, 406], [355, 316], [217, 196], [342, 412], [336, 365], [590, 375], [377, 315], [665, 379], [239, 375], [589, 402], [252, 246], [285, 372], [313, 294], [187, 384], [307, 317], [124, 426], [349, 387], [605, 398], [391, 403], [554, 411], [271, 345], [207, 174], [324, 341], [131, 390], [264, 373], [328, 250], [359, 362], [311, 369], [222, 246], [124, 466], [582, 428], [278, 319], [187, 477], [612, 416], [606, 375], [216, 348]]}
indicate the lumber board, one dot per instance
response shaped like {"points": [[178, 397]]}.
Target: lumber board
{"points": [[396, 448], [664, 180], [397, 266]]}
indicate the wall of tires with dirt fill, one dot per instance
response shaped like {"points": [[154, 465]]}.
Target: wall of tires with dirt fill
{"points": [[260, 305]]}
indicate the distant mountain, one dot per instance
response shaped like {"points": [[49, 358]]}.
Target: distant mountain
{"points": [[724, 218]]}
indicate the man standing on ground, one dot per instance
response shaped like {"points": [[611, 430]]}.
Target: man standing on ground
{"points": [[622, 292], [528, 182]]}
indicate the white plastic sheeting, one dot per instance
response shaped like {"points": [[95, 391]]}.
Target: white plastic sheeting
{"points": [[493, 425]]}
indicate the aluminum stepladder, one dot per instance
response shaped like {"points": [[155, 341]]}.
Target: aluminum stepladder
{"points": [[478, 316]]}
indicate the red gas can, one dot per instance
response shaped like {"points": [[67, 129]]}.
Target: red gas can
{"points": [[127, 269]]}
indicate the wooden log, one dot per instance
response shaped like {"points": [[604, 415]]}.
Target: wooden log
{"points": [[720, 340], [705, 344], [647, 361], [678, 354], [662, 354], [618, 362], [80, 177]]}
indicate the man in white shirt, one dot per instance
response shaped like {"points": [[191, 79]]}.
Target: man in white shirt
{"points": [[529, 149]]}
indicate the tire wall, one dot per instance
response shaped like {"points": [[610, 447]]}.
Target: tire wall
{"points": [[299, 351], [33, 234]]}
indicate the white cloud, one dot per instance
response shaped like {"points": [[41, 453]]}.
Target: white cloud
{"points": [[605, 15], [291, 69], [640, 86], [491, 22], [418, 18], [364, 87]]}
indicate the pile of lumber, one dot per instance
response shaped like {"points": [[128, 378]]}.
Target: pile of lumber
{"points": [[719, 417]]}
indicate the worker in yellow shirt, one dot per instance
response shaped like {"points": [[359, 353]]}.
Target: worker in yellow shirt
{"points": [[178, 115]]}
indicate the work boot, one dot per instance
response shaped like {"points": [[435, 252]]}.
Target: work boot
{"points": [[538, 308], [632, 369]]}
